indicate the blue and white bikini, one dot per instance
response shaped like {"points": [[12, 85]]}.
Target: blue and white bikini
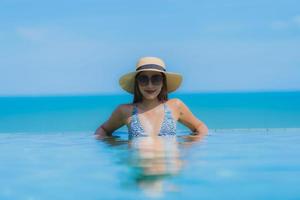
{"points": [[168, 127]]}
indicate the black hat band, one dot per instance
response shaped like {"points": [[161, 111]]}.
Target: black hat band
{"points": [[151, 66]]}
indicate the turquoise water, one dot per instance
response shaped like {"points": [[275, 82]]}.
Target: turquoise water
{"points": [[85, 113], [228, 164], [47, 150]]}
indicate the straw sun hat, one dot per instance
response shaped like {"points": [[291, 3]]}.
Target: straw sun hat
{"points": [[150, 64]]}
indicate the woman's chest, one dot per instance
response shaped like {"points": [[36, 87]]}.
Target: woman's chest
{"points": [[152, 118], [153, 122]]}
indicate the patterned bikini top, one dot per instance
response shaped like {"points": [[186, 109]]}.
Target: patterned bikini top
{"points": [[168, 126]]}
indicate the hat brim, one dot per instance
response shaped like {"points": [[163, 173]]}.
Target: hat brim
{"points": [[173, 80]]}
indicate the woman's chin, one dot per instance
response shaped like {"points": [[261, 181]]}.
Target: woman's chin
{"points": [[150, 96]]}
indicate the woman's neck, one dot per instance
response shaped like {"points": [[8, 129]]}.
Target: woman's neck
{"points": [[149, 104]]}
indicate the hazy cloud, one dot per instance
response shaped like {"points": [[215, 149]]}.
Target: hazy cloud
{"points": [[32, 33], [293, 22], [296, 20]]}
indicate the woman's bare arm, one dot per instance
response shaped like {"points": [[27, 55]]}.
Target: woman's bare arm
{"points": [[186, 117], [115, 121]]}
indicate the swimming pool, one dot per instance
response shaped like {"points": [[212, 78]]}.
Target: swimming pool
{"points": [[47, 150], [227, 164]]}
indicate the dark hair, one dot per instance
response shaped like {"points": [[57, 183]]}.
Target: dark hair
{"points": [[162, 96]]}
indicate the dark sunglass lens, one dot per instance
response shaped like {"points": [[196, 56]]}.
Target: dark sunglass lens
{"points": [[143, 80], [156, 79]]}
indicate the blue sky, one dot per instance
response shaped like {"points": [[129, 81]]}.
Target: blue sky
{"points": [[83, 47]]}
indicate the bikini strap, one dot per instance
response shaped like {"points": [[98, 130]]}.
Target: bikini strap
{"points": [[168, 111], [133, 109]]}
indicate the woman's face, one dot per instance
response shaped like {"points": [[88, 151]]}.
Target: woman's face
{"points": [[150, 84]]}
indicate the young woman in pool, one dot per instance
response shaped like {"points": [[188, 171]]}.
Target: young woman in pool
{"points": [[151, 113]]}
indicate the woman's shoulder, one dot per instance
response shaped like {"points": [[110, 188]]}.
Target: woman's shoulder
{"points": [[127, 105], [126, 109], [174, 102]]}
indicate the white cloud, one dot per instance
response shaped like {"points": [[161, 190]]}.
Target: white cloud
{"points": [[33, 34], [293, 22], [280, 25], [296, 20]]}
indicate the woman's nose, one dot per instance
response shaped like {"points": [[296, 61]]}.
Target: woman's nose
{"points": [[150, 83]]}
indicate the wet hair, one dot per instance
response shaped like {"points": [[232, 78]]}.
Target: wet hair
{"points": [[162, 96]]}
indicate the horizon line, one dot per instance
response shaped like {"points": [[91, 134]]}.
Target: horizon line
{"points": [[174, 93]]}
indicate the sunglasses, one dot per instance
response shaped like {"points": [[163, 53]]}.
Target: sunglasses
{"points": [[144, 80]]}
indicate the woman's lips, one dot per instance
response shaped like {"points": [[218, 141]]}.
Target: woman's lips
{"points": [[150, 91]]}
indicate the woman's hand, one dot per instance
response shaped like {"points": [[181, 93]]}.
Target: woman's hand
{"points": [[101, 133], [195, 136], [200, 131]]}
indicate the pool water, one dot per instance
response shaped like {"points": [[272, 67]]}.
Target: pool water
{"points": [[48, 151], [226, 164]]}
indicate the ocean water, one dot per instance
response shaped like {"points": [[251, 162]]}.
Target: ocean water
{"points": [[48, 151], [85, 113]]}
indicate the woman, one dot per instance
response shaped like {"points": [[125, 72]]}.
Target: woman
{"points": [[151, 113]]}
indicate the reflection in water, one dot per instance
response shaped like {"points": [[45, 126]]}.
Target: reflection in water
{"points": [[154, 159]]}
